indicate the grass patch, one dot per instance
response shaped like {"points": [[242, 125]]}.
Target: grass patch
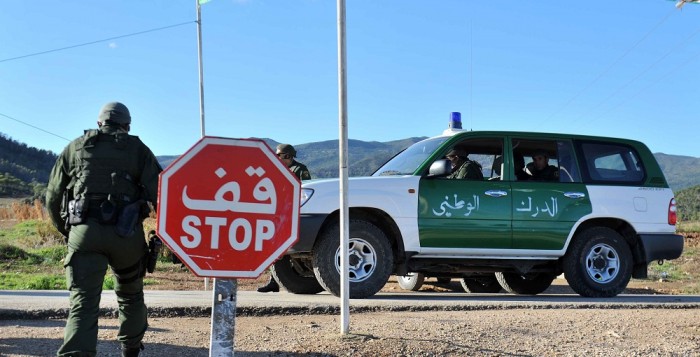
{"points": [[688, 227], [21, 281]]}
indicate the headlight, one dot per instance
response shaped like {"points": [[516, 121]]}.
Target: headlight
{"points": [[306, 193]]}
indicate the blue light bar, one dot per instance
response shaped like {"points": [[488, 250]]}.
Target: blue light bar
{"points": [[455, 120]]}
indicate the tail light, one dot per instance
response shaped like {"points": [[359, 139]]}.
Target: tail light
{"points": [[672, 216]]}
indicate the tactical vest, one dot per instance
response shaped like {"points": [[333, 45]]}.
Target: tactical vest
{"points": [[106, 167]]}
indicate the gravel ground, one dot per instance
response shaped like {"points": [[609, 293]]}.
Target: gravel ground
{"points": [[520, 332]]}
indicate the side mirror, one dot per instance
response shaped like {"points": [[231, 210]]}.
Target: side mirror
{"points": [[440, 168]]}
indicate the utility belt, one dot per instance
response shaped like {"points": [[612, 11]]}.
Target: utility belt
{"points": [[124, 217]]}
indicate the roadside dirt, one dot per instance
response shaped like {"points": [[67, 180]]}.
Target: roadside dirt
{"points": [[521, 332]]}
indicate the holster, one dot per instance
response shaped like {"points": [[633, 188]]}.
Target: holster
{"points": [[108, 212], [154, 247], [77, 211], [128, 219]]}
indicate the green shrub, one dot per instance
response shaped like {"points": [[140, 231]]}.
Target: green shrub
{"points": [[108, 283]]}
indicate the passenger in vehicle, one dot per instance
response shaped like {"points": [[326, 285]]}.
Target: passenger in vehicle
{"points": [[462, 167], [540, 169]]}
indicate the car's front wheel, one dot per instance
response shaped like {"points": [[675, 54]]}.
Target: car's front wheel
{"points": [[598, 263], [370, 259]]}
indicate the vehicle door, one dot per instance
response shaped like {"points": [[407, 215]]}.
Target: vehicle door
{"points": [[547, 202], [467, 213]]}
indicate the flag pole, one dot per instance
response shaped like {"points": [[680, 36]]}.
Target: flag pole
{"points": [[201, 84], [201, 69]]}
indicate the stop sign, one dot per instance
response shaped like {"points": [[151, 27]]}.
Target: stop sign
{"points": [[228, 208]]}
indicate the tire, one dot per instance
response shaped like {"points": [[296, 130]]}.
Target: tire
{"points": [[370, 264], [528, 284], [412, 281], [289, 275], [481, 284], [598, 263]]}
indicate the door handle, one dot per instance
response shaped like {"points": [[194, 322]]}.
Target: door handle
{"points": [[575, 194], [496, 193]]}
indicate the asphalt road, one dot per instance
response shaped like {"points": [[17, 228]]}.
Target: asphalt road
{"points": [[42, 304]]}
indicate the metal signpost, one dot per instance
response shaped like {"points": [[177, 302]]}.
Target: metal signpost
{"points": [[228, 208]]}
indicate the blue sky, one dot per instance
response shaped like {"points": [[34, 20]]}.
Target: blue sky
{"points": [[626, 68]]}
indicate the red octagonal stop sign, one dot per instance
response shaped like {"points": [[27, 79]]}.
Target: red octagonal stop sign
{"points": [[228, 208]]}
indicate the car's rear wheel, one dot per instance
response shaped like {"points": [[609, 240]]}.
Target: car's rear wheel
{"points": [[294, 277], [411, 281], [527, 284], [481, 284], [370, 260], [598, 263]]}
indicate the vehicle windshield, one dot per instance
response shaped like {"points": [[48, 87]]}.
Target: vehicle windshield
{"points": [[407, 161]]}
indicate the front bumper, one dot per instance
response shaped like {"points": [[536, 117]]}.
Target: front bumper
{"points": [[309, 226], [661, 246]]}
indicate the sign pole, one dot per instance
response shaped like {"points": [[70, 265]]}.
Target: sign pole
{"points": [[223, 318], [343, 166]]}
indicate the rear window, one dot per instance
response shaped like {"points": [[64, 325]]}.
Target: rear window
{"points": [[612, 163]]}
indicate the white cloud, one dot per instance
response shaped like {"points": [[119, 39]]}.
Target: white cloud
{"points": [[112, 45]]}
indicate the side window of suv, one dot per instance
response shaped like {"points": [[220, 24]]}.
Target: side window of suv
{"points": [[606, 162], [483, 155], [544, 161]]}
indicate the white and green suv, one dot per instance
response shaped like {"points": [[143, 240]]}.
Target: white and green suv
{"points": [[605, 214]]}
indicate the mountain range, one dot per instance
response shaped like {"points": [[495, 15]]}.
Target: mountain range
{"points": [[23, 167]]}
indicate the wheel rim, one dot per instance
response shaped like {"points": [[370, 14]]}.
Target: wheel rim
{"points": [[408, 279], [362, 260], [602, 263]]}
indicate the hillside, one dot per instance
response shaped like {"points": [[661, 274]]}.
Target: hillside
{"points": [[322, 157], [680, 171], [24, 170]]}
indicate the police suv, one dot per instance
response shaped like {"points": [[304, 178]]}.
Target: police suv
{"points": [[602, 215]]}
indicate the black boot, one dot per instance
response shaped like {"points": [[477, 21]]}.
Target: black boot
{"points": [[132, 351], [271, 287]]}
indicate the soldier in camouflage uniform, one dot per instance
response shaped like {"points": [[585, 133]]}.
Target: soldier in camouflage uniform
{"points": [[462, 167], [97, 179], [286, 153]]}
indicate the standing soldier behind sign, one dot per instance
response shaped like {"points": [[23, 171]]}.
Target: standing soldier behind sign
{"points": [[286, 153], [97, 197]]}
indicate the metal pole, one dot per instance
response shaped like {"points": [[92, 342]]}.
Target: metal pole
{"points": [[201, 67], [201, 85], [223, 322], [343, 166]]}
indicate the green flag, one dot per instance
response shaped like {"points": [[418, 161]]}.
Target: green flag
{"points": [[202, 2]]}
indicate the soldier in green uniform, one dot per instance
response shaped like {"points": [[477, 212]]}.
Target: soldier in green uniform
{"points": [[96, 197], [286, 153], [540, 169], [462, 167]]}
